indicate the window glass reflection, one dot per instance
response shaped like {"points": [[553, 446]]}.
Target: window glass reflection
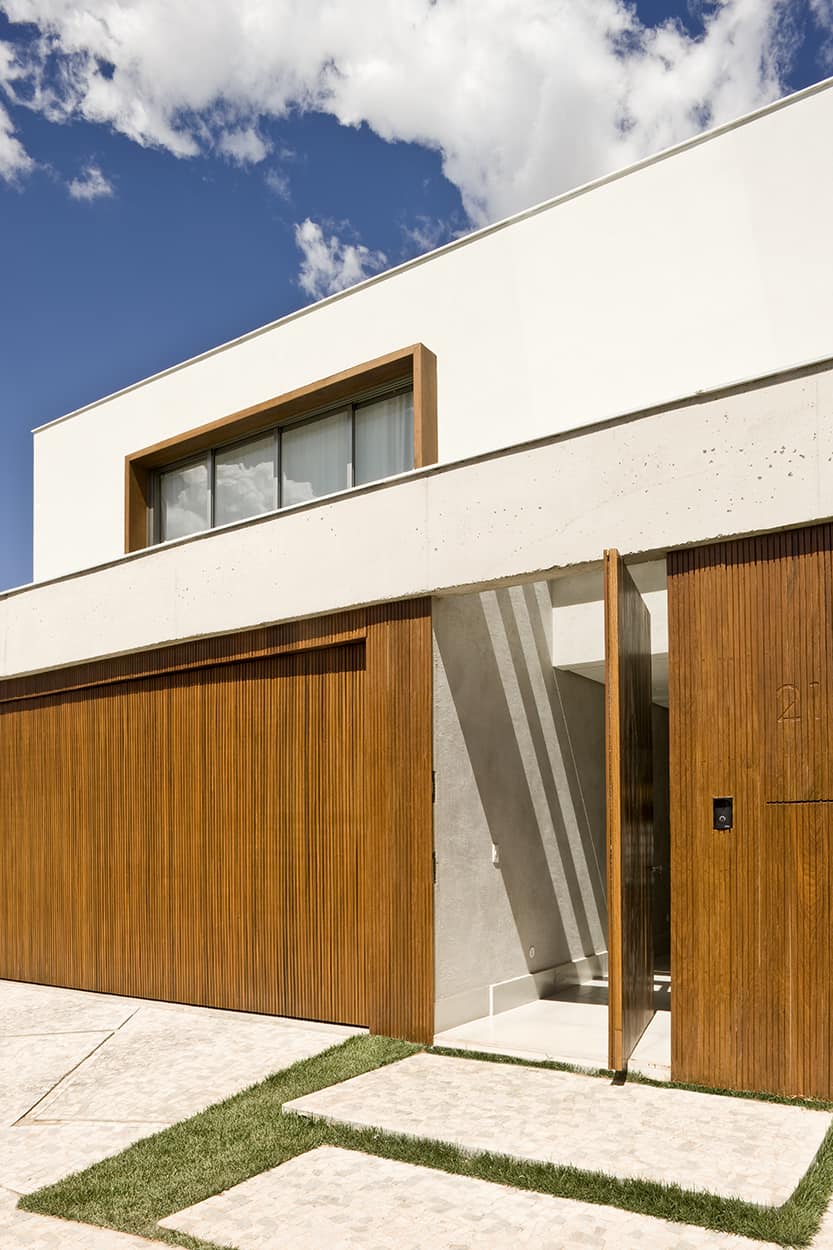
{"points": [[245, 481], [184, 501]]}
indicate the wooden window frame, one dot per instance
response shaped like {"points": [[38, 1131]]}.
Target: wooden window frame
{"points": [[415, 365]]}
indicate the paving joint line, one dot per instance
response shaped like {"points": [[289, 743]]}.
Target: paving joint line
{"points": [[61, 1032], [38, 1124], [26, 1118]]}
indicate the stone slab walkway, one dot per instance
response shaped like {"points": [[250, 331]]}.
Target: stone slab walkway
{"points": [[82, 1076], [21, 1230], [332, 1199], [732, 1147]]}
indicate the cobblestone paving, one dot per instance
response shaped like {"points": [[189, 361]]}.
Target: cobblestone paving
{"points": [[30, 1065], [164, 1065], [82, 1076], [732, 1147], [33, 1010], [33, 1155], [332, 1199], [20, 1230]]}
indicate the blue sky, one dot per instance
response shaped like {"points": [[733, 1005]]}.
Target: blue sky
{"points": [[167, 183]]}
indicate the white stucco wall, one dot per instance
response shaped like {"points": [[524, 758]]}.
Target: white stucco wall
{"points": [[692, 271], [732, 464], [579, 622]]}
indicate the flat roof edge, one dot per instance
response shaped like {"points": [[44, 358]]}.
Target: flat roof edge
{"points": [[534, 211]]}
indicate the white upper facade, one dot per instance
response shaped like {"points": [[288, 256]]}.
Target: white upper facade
{"points": [[692, 271]]}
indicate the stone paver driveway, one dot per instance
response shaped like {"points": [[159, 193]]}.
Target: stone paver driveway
{"points": [[331, 1199], [733, 1147], [84, 1075]]}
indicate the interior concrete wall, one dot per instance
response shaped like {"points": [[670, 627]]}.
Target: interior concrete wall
{"points": [[519, 760]]}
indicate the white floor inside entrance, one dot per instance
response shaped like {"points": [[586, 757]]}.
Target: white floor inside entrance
{"points": [[570, 1028]]}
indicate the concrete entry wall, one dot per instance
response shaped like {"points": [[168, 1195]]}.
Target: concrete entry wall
{"points": [[519, 760], [520, 767]]}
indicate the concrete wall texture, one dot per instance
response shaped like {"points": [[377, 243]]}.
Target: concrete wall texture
{"points": [[519, 760], [688, 272], [752, 460], [520, 767]]}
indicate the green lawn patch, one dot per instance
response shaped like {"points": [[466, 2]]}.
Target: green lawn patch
{"points": [[248, 1134]]}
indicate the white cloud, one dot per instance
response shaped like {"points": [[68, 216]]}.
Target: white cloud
{"points": [[329, 264], [91, 185], [14, 159], [522, 98], [427, 233], [243, 146], [823, 13], [278, 184]]}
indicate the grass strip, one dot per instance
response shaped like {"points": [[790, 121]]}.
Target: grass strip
{"points": [[211, 1151], [248, 1134]]}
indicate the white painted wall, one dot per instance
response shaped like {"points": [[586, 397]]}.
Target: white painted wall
{"points": [[755, 460], [691, 271], [578, 622]]}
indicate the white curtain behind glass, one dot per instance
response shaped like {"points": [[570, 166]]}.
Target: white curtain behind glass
{"points": [[316, 458], [384, 438]]}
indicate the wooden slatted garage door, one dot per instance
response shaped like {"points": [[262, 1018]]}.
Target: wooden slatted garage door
{"points": [[242, 822]]}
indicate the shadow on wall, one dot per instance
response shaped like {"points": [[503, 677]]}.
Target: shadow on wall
{"points": [[519, 755]]}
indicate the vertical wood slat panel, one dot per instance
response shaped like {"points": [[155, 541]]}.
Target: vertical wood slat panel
{"points": [[751, 679], [398, 762], [628, 750], [254, 833]]}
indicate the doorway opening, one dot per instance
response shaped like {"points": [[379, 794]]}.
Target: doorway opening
{"points": [[521, 881]]}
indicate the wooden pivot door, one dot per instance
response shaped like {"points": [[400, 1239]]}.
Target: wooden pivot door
{"points": [[630, 830], [751, 721], [242, 822]]}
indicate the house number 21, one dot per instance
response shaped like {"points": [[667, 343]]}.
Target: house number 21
{"points": [[793, 701]]}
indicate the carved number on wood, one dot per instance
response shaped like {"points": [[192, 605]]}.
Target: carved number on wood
{"points": [[789, 702], [788, 697]]}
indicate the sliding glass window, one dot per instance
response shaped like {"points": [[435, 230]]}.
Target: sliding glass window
{"points": [[316, 458], [246, 479], [184, 499], [384, 437], [290, 464]]}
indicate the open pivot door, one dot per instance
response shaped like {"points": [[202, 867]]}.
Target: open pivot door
{"points": [[630, 829]]}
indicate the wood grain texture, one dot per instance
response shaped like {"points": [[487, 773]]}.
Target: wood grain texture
{"points": [[629, 811], [751, 715], [247, 829], [415, 364], [425, 407], [306, 635]]}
